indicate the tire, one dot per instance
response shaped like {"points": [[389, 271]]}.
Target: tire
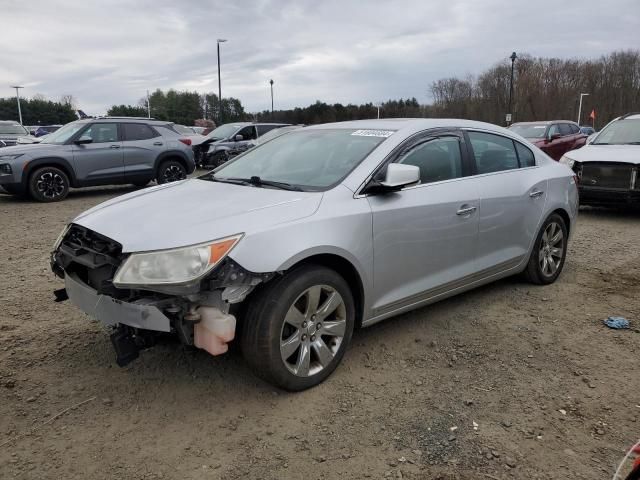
{"points": [[280, 325], [170, 171], [219, 158], [48, 184], [549, 252]]}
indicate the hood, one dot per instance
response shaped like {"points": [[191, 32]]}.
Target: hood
{"points": [[196, 139], [24, 148], [606, 153], [194, 211]]}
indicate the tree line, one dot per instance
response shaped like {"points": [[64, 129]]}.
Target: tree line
{"points": [[183, 107], [38, 111]]}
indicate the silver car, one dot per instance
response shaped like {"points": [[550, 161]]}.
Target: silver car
{"points": [[299, 241]]}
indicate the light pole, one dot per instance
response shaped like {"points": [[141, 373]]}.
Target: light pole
{"points": [[220, 40], [17, 87], [580, 107], [148, 106], [513, 60], [271, 83]]}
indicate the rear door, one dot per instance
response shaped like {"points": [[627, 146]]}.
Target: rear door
{"points": [[513, 191], [101, 161], [425, 236], [141, 145]]}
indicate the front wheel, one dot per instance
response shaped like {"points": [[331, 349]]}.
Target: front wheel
{"points": [[171, 171], [549, 252], [48, 184], [297, 328]]}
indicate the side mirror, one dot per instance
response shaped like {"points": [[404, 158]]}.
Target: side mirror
{"points": [[83, 140], [399, 175], [553, 137], [238, 138]]}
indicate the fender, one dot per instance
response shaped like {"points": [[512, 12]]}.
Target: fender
{"points": [[188, 162], [52, 161]]}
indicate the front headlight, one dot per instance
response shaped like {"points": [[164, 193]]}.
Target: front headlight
{"points": [[7, 158], [60, 237], [567, 161], [176, 266]]}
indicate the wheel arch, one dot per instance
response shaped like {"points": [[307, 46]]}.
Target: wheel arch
{"points": [[58, 162], [346, 269], [565, 216]]}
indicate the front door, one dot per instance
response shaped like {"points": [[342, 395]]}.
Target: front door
{"points": [[101, 161], [512, 193], [425, 236]]}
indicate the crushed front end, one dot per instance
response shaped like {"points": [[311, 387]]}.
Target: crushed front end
{"points": [[198, 313]]}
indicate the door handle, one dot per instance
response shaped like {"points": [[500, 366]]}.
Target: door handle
{"points": [[114, 146], [159, 144], [466, 210], [536, 193]]}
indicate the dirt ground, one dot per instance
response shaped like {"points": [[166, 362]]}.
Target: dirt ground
{"points": [[507, 381]]}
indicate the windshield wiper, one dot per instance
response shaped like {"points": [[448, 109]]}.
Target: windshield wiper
{"points": [[258, 182]]}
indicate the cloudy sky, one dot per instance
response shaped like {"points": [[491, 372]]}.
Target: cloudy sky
{"points": [[106, 52]]}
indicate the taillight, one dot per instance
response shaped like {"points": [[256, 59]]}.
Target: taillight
{"points": [[186, 141]]}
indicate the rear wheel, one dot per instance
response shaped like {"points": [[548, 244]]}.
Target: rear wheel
{"points": [[48, 184], [296, 330], [549, 252], [171, 171]]}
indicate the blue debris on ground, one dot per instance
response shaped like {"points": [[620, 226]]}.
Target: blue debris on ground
{"points": [[617, 323]]}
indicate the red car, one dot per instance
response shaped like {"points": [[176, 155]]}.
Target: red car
{"points": [[555, 138]]}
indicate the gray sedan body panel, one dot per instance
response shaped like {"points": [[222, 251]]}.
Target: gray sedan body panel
{"points": [[409, 247]]}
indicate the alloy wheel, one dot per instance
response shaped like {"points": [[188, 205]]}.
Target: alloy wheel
{"points": [[313, 330], [50, 184], [173, 173], [551, 250]]}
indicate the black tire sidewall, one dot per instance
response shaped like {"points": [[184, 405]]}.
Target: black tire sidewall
{"points": [[36, 195], [534, 269], [166, 164], [265, 322]]}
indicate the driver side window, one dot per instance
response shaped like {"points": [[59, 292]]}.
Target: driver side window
{"points": [[102, 132], [248, 133], [438, 159]]}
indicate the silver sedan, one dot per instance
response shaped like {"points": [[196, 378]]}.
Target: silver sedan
{"points": [[294, 244]]}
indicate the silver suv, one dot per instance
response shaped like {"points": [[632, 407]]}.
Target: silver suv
{"points": [[98, 151]]}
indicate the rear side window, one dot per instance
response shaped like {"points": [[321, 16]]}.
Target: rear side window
{"points": [[525, 156], [137, 131], [262, 129], [438, 159], [493, 153]]}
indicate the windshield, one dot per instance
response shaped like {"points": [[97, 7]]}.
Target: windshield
{"points": [[309, 159], [224, 131], [529, 131], [12, 129], [622, 132], [183, 130], [63, 134]]}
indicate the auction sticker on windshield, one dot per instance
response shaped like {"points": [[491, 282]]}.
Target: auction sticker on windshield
{"points": [[373, 133]]}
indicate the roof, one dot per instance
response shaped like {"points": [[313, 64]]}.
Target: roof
{"points": [[544, 122]]}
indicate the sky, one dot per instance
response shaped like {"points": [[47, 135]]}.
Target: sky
{"points": [[106, 52]]}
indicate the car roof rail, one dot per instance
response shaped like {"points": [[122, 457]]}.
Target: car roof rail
{"points": [[127, 118], [628, 115]]}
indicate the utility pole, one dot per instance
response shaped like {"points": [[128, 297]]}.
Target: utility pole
{"points": [[220, 40], [509, 117], [271, 83], [17, 87], [580, 107]]}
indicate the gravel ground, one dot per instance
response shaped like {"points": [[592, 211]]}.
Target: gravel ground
{"points": [[507, 381]]}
